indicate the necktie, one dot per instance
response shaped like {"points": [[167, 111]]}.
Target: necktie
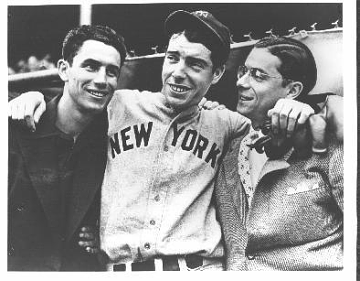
{"points": [[244, 164]]}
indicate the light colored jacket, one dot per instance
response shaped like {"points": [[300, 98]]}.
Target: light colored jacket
{"points": [[295, 221]]}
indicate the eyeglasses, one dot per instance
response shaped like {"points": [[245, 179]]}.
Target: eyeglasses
{"points": [[255, 73]]}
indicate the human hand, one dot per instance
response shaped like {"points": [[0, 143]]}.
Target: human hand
{"points": [[88, 239], [287, 115], [330, 118], [27, 108], [335, 115], [210, 105]]}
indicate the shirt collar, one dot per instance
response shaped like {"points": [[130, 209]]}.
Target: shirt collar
{"points": [[183, 115]]}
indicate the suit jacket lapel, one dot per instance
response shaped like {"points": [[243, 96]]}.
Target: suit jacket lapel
{"points": [[277, 164], [39, 150]]}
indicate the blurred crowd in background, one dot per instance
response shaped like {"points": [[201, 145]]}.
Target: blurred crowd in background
{"points": [[35, 32], [32, 64]]}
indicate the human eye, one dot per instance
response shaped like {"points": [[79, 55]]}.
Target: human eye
{"points": [[258, 75], [196, 64], [171, 57], [113, 72], [89, 66]]}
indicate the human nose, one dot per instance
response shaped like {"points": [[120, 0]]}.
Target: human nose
{"points": [[243, 81], [179, 70], [100, 77]]}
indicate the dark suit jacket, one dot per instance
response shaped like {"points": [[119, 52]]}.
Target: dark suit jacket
{"points": [[39, 238]]}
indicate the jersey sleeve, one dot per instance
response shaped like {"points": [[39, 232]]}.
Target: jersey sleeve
{"points": [[119, 106], [240, 125]]}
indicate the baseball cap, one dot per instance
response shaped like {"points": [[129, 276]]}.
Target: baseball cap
{"points": [[203, 20]]}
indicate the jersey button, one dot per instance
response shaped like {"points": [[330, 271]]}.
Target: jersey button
{"points": [[250, 257], [152, 222], [157, 198], [147, 246]]}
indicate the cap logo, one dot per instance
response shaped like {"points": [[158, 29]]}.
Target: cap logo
{"points": [[202, 13]]}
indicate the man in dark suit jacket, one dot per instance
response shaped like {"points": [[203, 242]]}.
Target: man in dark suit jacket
{"points": [[55, 174]]}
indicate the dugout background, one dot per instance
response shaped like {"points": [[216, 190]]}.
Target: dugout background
{"points": [[39, 30]]}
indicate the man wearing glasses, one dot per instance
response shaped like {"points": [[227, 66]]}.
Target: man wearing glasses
{"points": [[282, 209], [164, 152]]}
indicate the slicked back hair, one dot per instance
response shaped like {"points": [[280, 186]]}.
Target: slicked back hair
{"points": [[77, 36], [297, 61]]}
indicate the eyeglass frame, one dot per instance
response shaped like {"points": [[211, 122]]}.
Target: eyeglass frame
{"points": [[250, 72]]}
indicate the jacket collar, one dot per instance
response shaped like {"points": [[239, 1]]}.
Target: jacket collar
{"points": [[272, 165], [181, 116]]}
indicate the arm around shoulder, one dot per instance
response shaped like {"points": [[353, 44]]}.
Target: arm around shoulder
{"points": [[335, 115], [28, 107], [240, 124]]}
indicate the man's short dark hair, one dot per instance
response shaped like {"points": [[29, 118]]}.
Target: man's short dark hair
{"points": [[297, 61], [77, 36]]}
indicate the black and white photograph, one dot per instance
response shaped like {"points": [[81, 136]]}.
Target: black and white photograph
{"points": [[173, 136]]}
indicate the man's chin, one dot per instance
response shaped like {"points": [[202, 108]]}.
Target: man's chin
{"points": [[94, 108], [241, 109], [175, 103]]}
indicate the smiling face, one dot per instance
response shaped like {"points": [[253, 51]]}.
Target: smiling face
{"points": [[187, 72], [258, 95], [91, 79]]}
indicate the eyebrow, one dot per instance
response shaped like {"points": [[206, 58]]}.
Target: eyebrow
{"points": [[257, 68], [95, 62], [191, 58]]}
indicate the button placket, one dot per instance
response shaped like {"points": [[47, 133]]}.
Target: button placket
{"points": [[158, 192]]}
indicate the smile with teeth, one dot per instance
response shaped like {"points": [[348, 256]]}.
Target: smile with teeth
{"points": [[178, 88], [97, 94], [243, 98]]}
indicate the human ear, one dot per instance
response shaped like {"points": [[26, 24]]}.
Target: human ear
{"points": [[294, 89], [218, 73], [62, 66]]}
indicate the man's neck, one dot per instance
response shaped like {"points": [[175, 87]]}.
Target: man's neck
{"points": [[70, 119]]}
